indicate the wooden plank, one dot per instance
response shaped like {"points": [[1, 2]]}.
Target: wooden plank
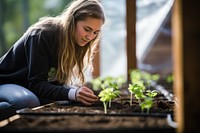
{"points": [[186, 40], [131, 35], [178, 64]]}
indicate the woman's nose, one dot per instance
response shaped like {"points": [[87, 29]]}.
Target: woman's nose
{"points": [[90, 36]]}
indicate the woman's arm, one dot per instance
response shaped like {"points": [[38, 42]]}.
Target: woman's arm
{"points": [[39, 53]]}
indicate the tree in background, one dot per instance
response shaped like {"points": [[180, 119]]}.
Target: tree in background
{"points": [[17, 15]]}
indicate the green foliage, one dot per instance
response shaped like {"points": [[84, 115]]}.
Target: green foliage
{"points": [[152, 93], [140, 81], [101, 83], [15, 22], [137, 89], [109, 87], [138, 75], [148, 101], [108, 94], [96, 83], [146, 104], [145, 100], [169, 78], [12, 22]]}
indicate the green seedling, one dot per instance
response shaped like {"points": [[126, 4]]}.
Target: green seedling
{"points": [[100, 83], [148, 100], [152, 94], [140, 81], [120, 80], [96, 83], [108, 94], [169, 78], [145, 97], [146, 104], [147, 78], [137, 89]]}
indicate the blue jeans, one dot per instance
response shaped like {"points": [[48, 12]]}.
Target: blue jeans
{"points": [[17, 97]]}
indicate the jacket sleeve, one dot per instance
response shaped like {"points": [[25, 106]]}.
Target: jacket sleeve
{"points": [[38, 51]]}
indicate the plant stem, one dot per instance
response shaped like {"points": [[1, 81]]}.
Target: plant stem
{"points": [[147, 110], [105, 107], [131, 98]]}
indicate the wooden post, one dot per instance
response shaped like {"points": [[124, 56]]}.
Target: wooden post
{"points": [[177, 39], [186, 48], [131, 35]]}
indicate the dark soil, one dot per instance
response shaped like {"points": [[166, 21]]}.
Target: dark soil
{"points": [[120, 106], [93, 124]]}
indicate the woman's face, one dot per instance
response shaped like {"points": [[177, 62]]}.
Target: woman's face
{"points": [[87, 30]]}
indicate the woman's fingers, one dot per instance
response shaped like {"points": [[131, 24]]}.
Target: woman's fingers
{"points": [[87, 89], [84, 102], [86, 96]]}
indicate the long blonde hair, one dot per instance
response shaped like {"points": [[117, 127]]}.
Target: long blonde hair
{"points": [[72, 58]]}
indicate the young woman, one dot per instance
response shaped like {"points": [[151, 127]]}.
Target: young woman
{"points": [[51, 56]]}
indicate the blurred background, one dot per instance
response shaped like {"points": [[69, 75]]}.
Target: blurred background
{"points": [[17, 15], [153, 31]]}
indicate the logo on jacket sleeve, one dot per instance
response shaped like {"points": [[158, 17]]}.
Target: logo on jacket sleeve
{"points": [[51, 74]]}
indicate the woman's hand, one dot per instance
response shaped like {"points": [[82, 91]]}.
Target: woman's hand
{"points": [[86, 96]]}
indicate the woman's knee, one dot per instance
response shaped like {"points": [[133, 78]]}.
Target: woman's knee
{"points": [[18, 96]]}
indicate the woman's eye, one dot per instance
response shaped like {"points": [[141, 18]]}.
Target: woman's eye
{"points": [[87, 30], [96, 33]]}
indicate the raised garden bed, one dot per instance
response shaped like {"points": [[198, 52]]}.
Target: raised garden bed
{"points": [[73, 117], [65, 116]]}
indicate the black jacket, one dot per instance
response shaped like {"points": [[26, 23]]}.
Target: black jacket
{"points": [[29, 61]]}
